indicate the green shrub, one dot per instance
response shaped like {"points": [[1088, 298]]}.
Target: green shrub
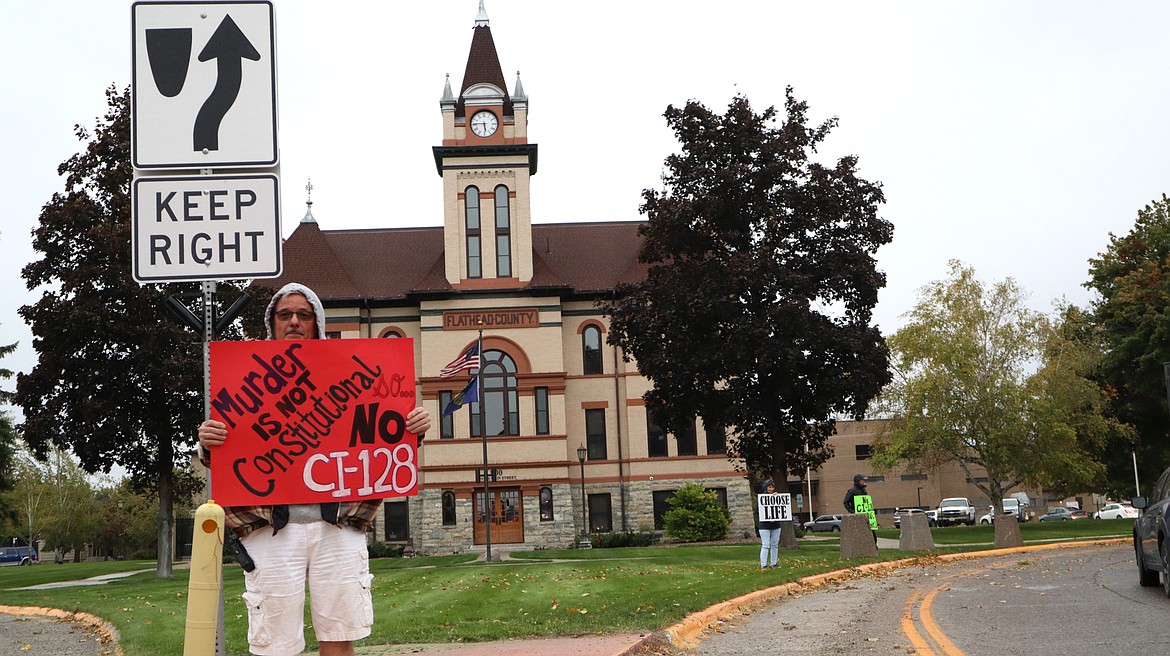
{"points": [[384, 549], [618, 540], [696, 515]]}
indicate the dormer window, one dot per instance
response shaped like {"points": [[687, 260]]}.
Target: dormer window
{"points": [[483, 94]]}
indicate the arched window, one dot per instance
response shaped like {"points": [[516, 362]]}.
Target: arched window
{"points": [[391, 334], [591, 350], [546, 504], [503, 234], [474, 254], [498, 399], [448, 508]]}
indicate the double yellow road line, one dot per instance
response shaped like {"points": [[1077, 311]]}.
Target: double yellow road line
{"points": [[931, 641]]}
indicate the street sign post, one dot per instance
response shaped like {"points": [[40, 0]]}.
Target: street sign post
{"points": [[204, 85], [206, 227]]}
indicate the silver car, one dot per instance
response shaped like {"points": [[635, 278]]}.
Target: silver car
{"points": [[823, 524]]}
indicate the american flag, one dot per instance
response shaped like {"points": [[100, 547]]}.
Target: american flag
{"points": [[469, 361]]}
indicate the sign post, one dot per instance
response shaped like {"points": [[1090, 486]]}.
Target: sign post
{"points": [[204, 98]]}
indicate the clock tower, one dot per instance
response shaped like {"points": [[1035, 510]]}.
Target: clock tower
{"points": [[486, 164]]}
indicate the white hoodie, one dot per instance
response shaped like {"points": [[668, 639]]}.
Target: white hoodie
{"points": [[296, 288]]}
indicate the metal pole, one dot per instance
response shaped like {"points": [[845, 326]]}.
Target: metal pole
{"points": [[584, 520], [1137, 487], [487, 496], [808, 481], [208, 292]]}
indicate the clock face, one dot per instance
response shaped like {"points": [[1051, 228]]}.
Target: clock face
{"points": [[484, 123]]}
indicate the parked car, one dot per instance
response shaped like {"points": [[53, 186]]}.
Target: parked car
{"points": [[932, 516], [956, 510], [824, 524], [1151, 538], [1062, 514], [1117, 511], [899, 513], [17, 556], [989, 517], [1011, 506]]}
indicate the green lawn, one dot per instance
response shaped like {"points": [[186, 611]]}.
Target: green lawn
{"points": [[453, 598]]}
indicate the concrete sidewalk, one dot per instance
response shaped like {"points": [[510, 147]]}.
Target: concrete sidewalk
{"points": [[593, 645]]}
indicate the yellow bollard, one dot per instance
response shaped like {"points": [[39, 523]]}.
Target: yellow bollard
{"points": [[206, 580]]}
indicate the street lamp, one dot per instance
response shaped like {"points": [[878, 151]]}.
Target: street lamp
{"points": [[919, 497], [582, 452]]}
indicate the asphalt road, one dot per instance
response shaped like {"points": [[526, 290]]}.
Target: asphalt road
{"points": [[1064, 602], [46, 636]]}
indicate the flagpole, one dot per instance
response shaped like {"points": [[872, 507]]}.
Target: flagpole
{"points": [[487, 497]]}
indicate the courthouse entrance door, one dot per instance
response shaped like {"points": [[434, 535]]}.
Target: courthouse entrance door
{"points": [[507, 516]]}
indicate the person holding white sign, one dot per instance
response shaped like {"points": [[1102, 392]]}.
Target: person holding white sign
{"points": [[769, 527], [321, 544]]}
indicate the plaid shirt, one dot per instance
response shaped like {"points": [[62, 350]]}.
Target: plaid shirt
{"points": [[245, 519]]}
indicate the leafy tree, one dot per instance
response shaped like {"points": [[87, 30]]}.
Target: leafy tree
{"points": [[118, 380], [127, 524], [696, 515], [984, 381], [73, 520], [1132, 315], [8, 443], [30, 498], [755, 310]]}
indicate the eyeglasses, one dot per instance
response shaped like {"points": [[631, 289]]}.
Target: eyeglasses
{"points": [[301, 315]]}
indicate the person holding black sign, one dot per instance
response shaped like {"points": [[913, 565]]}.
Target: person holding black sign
{"points": [[858, 501], [323, 545], [769, 533]]}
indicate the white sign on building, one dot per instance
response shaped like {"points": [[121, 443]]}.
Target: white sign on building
{"points": [[204, 85], [206, 227]]}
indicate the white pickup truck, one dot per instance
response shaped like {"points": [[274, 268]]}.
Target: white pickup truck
{"points": [[956, 510]]}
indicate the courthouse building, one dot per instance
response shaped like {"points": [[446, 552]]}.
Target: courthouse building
{"points": [[552, 387], [570, 445]]}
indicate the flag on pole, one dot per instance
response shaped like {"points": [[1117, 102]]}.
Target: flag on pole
{"points": [[469, 361], [469, 394]]}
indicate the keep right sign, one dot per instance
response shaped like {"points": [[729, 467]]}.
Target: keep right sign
{"points": [[206, 228]]}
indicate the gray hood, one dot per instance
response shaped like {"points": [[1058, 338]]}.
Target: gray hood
{"points": [[296, 288]]}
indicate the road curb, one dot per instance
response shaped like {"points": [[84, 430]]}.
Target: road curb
{"points": [[109, 634], [686, 633]]}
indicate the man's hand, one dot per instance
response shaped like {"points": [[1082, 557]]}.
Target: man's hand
{"points": [[417, 422], [212, 433]]}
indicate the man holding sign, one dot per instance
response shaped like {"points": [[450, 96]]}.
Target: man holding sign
{"points": [[858, 501], [292, 542]]}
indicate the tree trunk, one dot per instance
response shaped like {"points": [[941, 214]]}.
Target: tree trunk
{"points": [[166, 504], [780, 480]]}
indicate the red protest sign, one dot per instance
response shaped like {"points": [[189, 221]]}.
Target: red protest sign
{"points": [[313, 421]]}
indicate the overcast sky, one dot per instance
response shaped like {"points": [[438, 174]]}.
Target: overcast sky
{"points": [[1014, 136]]}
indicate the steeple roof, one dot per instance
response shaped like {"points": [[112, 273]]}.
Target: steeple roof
{"points": [[483, 64]]}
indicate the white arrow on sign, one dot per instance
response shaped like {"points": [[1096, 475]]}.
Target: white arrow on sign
{"points": [[204, 85], [206, 228]]}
